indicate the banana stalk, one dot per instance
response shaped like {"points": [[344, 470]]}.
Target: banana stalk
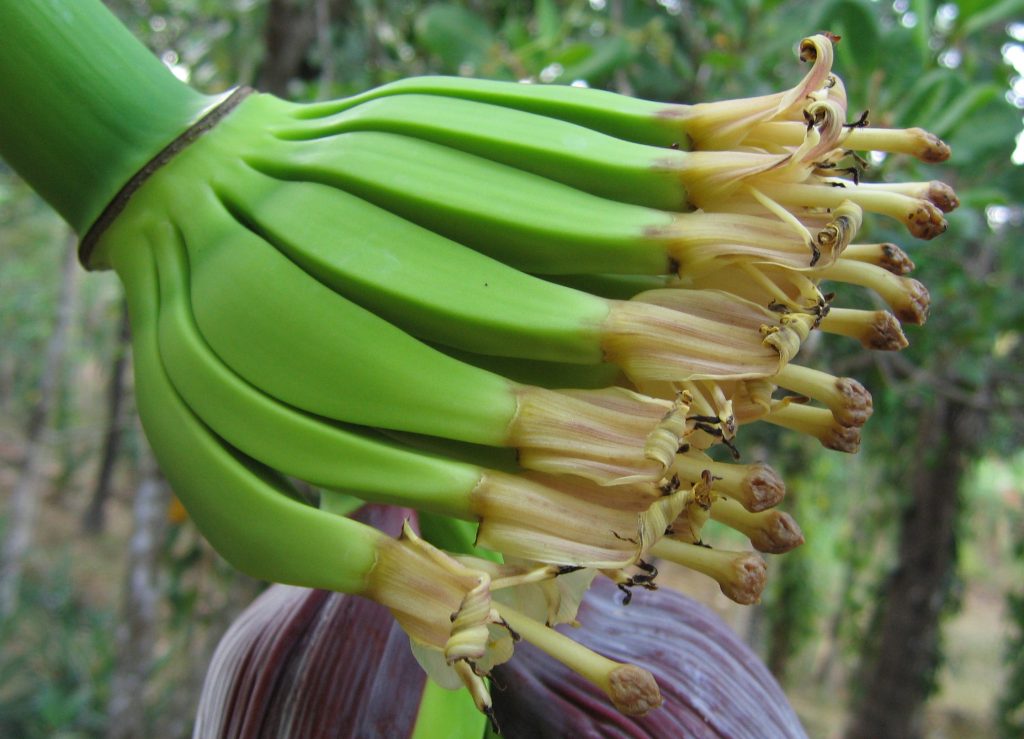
{"points": [[86, 105]]}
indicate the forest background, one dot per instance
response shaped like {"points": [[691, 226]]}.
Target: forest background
{"points": [[903, 613]]}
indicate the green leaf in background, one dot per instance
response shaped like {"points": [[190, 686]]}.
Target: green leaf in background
{"points": [[458, 37], [549, 23], [447, 714], [988, 133], [515, 30], [855, 22], [925, 98], [924, 10], [600, 62], [963, 107], [976, 15], [573, 54], [981, 196]]}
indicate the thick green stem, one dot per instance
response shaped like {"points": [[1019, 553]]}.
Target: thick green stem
{"points": [[83, 104]]}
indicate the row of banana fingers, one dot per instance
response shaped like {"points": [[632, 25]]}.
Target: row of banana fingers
{"points": [[534, 310]]}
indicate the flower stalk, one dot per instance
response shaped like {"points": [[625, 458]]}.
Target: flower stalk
{"points": [[771, 531], [631, 689], [848, 400], [908, 298], [887, 256], [877, 330], [817, 422], [741, 576], [756, 487]]}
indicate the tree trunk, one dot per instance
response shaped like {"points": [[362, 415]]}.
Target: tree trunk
{"points": [[292, 28], [287, 35], [899, 675], [824, 672], [136, 631], [790, 613], [782, 630], [24, 501], [94, 519]]}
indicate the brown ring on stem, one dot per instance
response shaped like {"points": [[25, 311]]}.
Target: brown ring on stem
{"points": [[120, 201]]}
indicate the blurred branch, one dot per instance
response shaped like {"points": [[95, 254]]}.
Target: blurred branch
{"points": [[899, 673], [26, 496], [95, 514], [292, 28], [622, 85], [137, 630], [325, 49], [897, 367], [289, 32]]}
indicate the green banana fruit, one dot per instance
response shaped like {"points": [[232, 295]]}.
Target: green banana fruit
{"points": [[253, 520], [499, 311], [540, 225], [305, 446], [626, 118], [379, 261], [564, 152], [412, 387], [711, 125], [517, 515], [524, 220]]}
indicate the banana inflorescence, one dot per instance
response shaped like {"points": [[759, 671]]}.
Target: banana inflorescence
{"points": [[537, 310]]}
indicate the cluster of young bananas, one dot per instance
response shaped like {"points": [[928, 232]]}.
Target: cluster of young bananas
{"points": [[531, 309]]}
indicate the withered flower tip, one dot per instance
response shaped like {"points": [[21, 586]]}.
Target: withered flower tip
{"points": [[878, 330], [887, 256], [755, 486], [772, 531], [741, 576], [633, 690]]}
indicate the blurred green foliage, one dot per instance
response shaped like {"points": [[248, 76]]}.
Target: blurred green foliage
{"points": [[58, 660]]}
